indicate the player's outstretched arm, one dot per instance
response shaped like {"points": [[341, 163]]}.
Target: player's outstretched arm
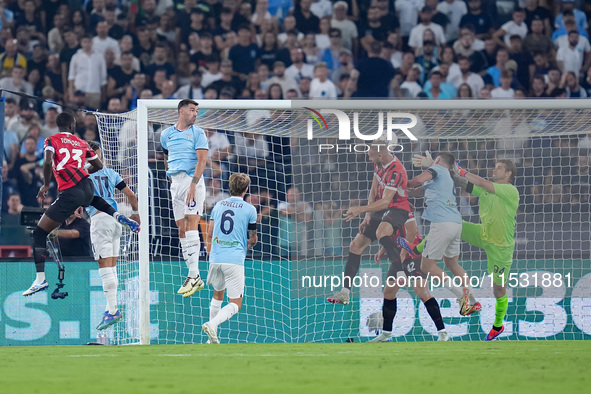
{"points": [[475, 179], [375, 206], [420, 179], [95, 164], [132, 199]]}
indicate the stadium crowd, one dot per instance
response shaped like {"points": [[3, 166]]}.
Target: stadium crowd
{"points": [[106, 54]]}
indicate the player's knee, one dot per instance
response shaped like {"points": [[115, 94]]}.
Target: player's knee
{"points": [[39, 237], [390, 291]]}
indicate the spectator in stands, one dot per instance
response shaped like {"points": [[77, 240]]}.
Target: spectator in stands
{"points": [[346, 26], [411, 83], [524, 62], [305, 84], [330, 56], [568, 7], [415, 40], [228, 80], [345, 65], [16, 83], [569, 25], [49, 125], [504, 91], [468, 45], [212, 70], [214, 193], [280, 78], [572, 86], [306, 21], [538, 87], [102, 41], [322, 38], [465, 92], [244, 54], [428, 60], [482, 22], [484, 93], [74, 235], [120, 77], [28, 117], [375, 74], [88, 73], [269, 48], [166, 90], [408, 14], [537, 40], [8, 187], [27, 173], [11, 113], [571, 57], [321, 86], [295, 214], [534, 12], [218, 154], [517, 26], [114, 106], [35, 133], [448, 89], [501, 62], [310, 49], [12, 215], [554, 81], [261, 14], [298, 68], [193, 90], [435, 92], [454, 10]]}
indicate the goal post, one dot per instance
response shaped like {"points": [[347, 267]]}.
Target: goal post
{"points": [[318, 148]]}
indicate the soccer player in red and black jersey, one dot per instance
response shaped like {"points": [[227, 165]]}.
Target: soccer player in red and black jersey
{"points": [[66, 155], [386, 212], [412, 267]]}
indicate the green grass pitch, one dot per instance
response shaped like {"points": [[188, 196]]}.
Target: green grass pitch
{"points": [[427, 367]]}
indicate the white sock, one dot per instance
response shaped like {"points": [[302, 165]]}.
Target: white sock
{"points": [[39, 278], [214, 308], [110, 283], [193, 247], [389, 333], [345, 290], [224, 314], [183, 242], [458, 291], [116, 215]]}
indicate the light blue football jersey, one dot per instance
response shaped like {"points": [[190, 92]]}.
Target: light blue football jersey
{"points": [[440, 197], [230, 233], [181, 146], [105, 182]]}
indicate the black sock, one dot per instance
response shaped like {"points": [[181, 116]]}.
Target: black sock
{"points": [[39, 248], [393, 252], [103, 206], [497, 328], [435, 313], [351, 269], [388, 313]]}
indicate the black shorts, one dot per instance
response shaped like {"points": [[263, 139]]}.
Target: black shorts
{"points": [[396, 217], [70, 199]]}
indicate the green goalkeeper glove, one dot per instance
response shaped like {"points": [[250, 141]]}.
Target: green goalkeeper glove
{"points": [[423, 161]]}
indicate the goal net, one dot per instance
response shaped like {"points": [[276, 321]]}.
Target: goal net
{"points": [[306, 173]]}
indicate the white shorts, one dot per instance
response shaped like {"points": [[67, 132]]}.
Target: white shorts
{"points": [[105, 235], [229, 277], [443, 240], [178, 190]]}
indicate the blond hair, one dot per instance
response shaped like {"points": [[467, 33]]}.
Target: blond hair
{"points": [[239, 183]]}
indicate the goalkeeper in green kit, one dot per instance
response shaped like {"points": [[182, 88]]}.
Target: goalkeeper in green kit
{"points": [[498, 202]]}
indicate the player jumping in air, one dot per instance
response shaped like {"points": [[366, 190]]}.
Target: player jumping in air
{"points": [[65, 154], [443, 240], [412, 269], [498, 203], [387, 211], [233, 231], [185, 149], [105, 234]]}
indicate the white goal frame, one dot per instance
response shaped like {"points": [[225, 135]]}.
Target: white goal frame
{"points": [[409, 105]]}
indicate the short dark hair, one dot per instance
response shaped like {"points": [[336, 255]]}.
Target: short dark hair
{"points": [[447, 158], [65, 122], [509, 166], [183, 103]]}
